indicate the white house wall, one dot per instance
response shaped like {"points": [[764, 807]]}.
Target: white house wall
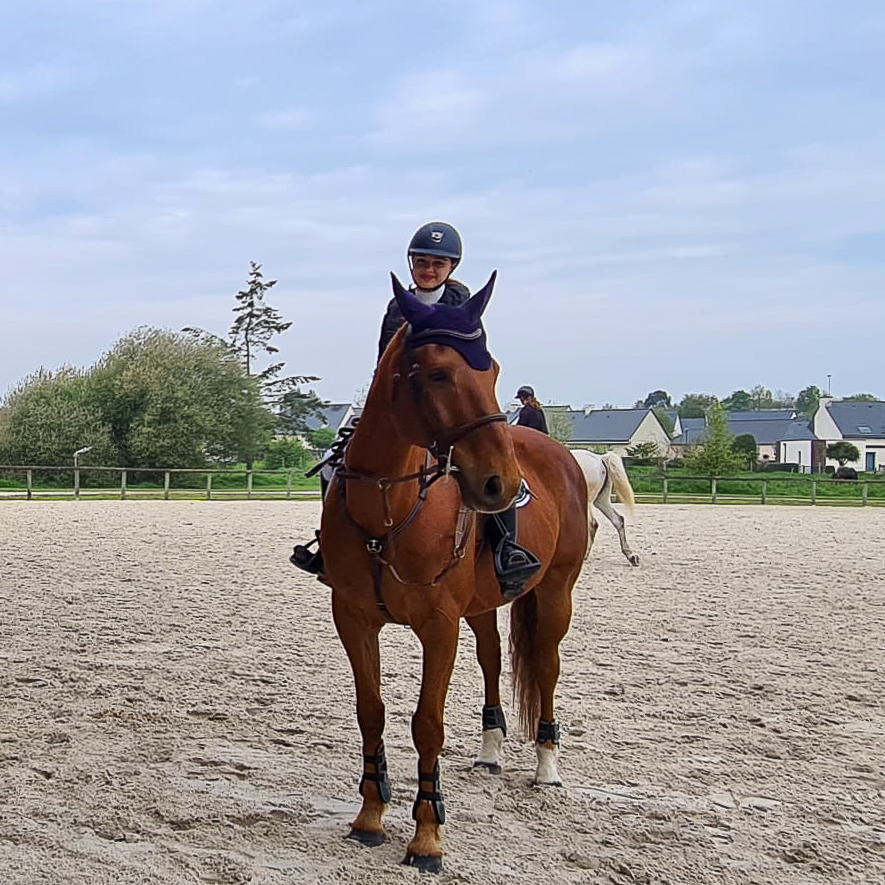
{"points": [[650, 430], [863, 446], [824, 426], [797, 452]]}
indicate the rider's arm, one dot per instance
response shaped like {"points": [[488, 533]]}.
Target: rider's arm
{"points": [[393, 319]]}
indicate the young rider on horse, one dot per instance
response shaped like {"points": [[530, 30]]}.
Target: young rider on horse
{"points": [[531, 414], [434, 252]]}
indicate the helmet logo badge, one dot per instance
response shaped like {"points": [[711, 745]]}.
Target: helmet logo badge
{"points": [[436, 236]]}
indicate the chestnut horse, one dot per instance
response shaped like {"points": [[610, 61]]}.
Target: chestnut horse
{"points": [[402, 539]]}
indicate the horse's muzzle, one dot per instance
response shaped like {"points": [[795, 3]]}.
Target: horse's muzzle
{"points": [[492, 496]]}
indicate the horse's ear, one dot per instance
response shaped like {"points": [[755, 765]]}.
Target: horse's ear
{"points": [[412, 309], [476, 305]]}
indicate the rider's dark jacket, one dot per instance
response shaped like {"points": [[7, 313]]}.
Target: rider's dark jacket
{"points": [[529, 416], [455, 293]]}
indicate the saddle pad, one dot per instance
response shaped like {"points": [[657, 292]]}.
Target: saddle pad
{"points": [[524, 495]]}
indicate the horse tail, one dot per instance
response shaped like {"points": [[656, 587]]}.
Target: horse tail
{"points": [[524, 661], [620, 480]]}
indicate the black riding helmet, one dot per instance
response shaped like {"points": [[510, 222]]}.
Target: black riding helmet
{"points": [[525, 392], [436, 238]]}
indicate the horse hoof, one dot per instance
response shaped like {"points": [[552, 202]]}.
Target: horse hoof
{"points": [[491, 767], [634, 560], [367, 838], [426, 863], [546, 783]]}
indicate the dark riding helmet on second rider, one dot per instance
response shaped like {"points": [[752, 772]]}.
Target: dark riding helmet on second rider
{"points": [[433, 253]]}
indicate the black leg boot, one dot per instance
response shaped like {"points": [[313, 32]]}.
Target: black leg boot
{"points": [[514, 565]]}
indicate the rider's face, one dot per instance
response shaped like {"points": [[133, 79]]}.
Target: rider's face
{"points": [[430, 271]]}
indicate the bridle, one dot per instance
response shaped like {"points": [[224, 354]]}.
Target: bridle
{"points": [[438, 465]]}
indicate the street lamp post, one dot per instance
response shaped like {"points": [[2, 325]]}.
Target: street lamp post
{"points": [[828, 383], [77, 454]]}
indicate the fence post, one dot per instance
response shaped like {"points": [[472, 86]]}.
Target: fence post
{"points": [[30, 483], [248, 485], [764, 491], [208, 486], [122, 485], [814, 491], [76, 483], [713, 488], [866, 493], [289, 485], [666, 488], [166, 486]]}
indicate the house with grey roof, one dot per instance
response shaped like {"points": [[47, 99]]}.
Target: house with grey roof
{"points": [[612, 429], [779, 435], [861, 423], [334, 415], [693, 430], [616, 430], [763, 415]]}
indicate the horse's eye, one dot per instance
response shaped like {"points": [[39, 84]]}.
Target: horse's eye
{"points": [[438, 375]]}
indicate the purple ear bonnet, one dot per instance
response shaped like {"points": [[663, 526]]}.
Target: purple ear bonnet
{"points": [[457, 327]]}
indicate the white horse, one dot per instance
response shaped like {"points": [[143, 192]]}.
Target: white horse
{"points": [[604, 472]]}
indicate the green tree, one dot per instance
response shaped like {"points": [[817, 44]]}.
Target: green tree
{"points": [[843, 451], [861, 398], [49, 416], [761, 398], [645, 453], [296, 409], [715, 456], [808, 400], [738, 401], [783, 400], [558, 425], [283, 453], [176, 401], [322, 437], [657, 398], [745, 446], [696, 405]]}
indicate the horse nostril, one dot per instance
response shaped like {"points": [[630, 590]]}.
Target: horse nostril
{"points": [[494, 486]]}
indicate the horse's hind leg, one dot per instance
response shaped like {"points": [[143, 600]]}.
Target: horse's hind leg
{"points": [[592, 527], [554, 614], [359, 635], [494, 726], [603, 502]]}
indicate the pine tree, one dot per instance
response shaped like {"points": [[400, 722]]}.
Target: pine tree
{"points": [[255, 325]]}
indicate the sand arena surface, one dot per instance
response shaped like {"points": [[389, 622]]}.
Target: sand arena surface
{"points": [[176, 707]]}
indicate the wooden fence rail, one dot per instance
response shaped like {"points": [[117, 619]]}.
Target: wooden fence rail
{"points": [[666, 494], [168, 490], [764, 496]]}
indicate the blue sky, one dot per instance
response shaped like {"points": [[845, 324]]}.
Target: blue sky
{"points": [[682, 195]]}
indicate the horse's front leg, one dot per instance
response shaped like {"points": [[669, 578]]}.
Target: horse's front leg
{"points": [[359, 635], [439, 638], [494, 726]]}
